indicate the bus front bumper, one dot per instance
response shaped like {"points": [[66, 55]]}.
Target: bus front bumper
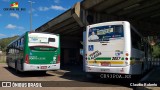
{"points": [[41, 67]]}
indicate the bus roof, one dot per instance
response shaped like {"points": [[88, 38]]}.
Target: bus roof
{"points": [[111, 22]]}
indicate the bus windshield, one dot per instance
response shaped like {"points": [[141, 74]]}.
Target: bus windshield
{"points": [[105, 33]]}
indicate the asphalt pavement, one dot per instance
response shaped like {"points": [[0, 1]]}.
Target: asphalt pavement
{"points": [[78, 78]]}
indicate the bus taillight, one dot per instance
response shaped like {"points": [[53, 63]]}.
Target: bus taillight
{"points": [[27, 59], [127, 54], [58, 59]]}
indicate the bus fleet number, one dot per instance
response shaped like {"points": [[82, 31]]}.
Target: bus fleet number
{"points": [[116, 58]]}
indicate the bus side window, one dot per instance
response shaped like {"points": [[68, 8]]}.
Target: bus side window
{"points": [[22, 43], [12, 45], [15, 45], [14, 51], [19, 43], [10, 51]]}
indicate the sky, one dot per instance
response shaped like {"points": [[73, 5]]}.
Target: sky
{"points": [[14, 22]]}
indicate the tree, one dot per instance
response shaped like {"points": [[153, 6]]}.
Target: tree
{"points": [[5, 41], [155, 43], [156, 51]]}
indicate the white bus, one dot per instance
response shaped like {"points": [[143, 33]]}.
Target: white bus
{"points": [[115, 47]]}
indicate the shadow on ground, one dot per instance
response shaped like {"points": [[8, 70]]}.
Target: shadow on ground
{"points": [[28, 73], [78, 78], [76, 73]]}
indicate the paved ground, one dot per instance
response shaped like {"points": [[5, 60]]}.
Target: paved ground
{"points": [[73, 77], [153, 77]]}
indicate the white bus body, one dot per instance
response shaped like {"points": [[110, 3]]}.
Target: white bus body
{"points": [[110, 48]]}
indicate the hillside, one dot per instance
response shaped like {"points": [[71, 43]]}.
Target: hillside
{"points": [[5, 41]]}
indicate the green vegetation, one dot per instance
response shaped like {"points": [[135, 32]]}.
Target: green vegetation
{"points": [[5, 41], [3, 44], [155, 43], [2, 59], [156, 51]]}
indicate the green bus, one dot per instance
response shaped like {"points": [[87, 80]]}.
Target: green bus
{"points": [[34, 51]]}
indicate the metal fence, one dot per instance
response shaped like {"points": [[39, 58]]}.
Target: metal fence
{"points": [[156, 62], [2, 58]]}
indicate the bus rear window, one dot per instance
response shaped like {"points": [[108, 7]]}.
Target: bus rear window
{"points": [[104, 33]]}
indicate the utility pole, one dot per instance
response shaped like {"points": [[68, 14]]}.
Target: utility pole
{"points": [[31, 14]]}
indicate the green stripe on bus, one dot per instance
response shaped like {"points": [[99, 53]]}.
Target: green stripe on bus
{"points": [[107, 58], [104, 58]]}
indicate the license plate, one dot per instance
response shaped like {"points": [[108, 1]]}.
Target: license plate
{"points": [[43, 67], [105, 70], [105, 63]]}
